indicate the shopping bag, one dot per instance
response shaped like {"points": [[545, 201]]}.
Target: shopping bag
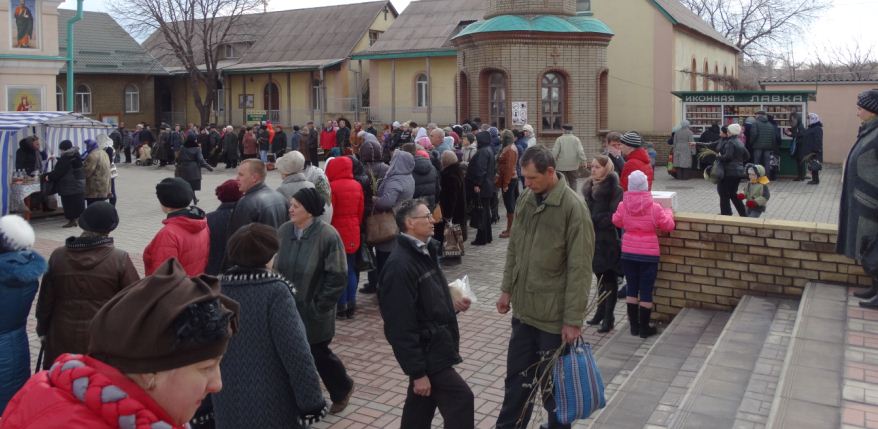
{"points": [[365, 258], [453, 246], [578, 386], [380, 228]]}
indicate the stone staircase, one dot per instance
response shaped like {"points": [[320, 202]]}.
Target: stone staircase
{"points": [[772, 363]]}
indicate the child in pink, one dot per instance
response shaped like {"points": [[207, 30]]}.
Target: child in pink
{"points": [[639, 216]]}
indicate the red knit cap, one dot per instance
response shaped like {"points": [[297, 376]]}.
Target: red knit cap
{"points": [[228, 191]]}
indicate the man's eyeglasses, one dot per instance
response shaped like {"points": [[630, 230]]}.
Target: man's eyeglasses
{"points": [[428, 216]]}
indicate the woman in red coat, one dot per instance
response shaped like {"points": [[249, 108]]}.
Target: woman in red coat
{"points": [[185, 235], [347, 213], [327, 138]]}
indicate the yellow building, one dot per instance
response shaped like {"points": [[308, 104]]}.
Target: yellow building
{"points": [[294, 68], [658, 47], [29, 60]]}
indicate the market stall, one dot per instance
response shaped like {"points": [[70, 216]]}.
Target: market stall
{"points": [[702, 109]]}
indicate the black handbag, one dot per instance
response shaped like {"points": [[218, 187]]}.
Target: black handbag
{"points": [[365, 258]]}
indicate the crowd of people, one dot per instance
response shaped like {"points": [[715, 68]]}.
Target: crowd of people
{"points": [[253, 290]]}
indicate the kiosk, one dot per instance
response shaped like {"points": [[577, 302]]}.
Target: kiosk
{"points": [[704, 108]]}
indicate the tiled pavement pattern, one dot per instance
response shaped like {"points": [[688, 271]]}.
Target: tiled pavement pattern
{"points": [[860, 388], [360, 342]]}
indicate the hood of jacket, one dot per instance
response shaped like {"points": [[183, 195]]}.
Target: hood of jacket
{"points": [[403, 163], [87, 253], [423, 166], [483, 139], [370, 150], [638, 203], [816, 124], [762, 118], [20, 268], [638, 154], [191, 219], [340, 168]]}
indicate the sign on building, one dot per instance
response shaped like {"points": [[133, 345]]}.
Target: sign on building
{"points": [[519, 112]]}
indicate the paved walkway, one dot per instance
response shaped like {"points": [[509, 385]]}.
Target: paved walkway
{"points": [[381, 386]]}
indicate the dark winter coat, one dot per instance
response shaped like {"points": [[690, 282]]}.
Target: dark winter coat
{"points": [[602, 200], [763, 134], [19, 277], [732, 156], [316, 264], [796, 132], [482, 168], [68, 175], [452, 196], [347, 202], [189, 164], [284, 384], [260, 204], [83, 275], [858, 217], [362, 177], [426, 181], [27, 158], [415, 302], [279, 144], [397, 186], [230, 147], [218, 225], [372, 158], [812, 141], [343, 137]]}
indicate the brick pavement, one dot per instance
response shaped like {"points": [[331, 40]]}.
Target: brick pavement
{"points": [[860, 387], [381, 386]]}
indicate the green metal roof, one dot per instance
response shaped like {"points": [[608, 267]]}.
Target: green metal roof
{"points": [[410, 54], [540, 23]]}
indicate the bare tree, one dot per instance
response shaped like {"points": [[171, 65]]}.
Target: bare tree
{"points": [[857, 62], [188, 34], [757, 27]]}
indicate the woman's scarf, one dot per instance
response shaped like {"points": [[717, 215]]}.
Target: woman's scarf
{"points": [[598, 178], [90, 145]]}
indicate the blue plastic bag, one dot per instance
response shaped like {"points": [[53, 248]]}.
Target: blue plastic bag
{"points": [[578, 386]]}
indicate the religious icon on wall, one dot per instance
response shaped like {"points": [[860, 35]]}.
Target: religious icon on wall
{"points": [[20, 98], [24, 24]]}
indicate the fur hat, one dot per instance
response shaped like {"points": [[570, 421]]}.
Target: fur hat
{"points": [[637, 181], [291, 163], [15, 234], [632, 139], [734, 129], [868, 100], [253, 245]]}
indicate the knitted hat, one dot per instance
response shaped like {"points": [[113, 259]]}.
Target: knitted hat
{"points": [[252, 245], [291, 163], [637, 181], [174, 193], [868, 100], [311, 200], [813, 118], [734, 129], [228, 191], [65, 145], [632, 139], [396, 124], [163, 321], [15, 234], [100, 217]]}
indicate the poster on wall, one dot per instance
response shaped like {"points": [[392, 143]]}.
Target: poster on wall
{"points": [[245, 101], [24, 24], [519, 113], [111, 119], [23, 98]]}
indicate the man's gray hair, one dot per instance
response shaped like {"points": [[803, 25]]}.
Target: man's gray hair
{"points": [[404, 210]]}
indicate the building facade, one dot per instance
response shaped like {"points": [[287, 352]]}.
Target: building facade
{"points": [[29, 59]]}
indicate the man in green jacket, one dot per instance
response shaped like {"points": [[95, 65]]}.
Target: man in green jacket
{"points": [[546, 280]]}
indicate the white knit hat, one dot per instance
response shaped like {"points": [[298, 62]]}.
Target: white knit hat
{"points": [[15, 234], [734, 129], [291, 163], [637, 181]]}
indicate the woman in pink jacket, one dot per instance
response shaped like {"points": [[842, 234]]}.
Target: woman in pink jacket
{"points": [[639, 216]]}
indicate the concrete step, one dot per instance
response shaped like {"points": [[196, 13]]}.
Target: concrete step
{"points": [[654, 388], [809, 394], [736, 385]]}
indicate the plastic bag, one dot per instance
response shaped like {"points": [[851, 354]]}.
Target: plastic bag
{"points": [[460, 288]]}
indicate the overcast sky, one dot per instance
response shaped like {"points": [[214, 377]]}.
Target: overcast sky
{"points": [[848, 22]]}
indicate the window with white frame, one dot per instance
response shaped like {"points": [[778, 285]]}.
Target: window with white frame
{"points": [[132, 99], [59, 98], [230, 51], [421, 90], [82, 100], [316, 93]]}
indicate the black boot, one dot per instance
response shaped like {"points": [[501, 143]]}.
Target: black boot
{"points": [[609, 306], [633, 319], [869, 293], [872, 303], [349, 313], [646, 331], [340, 311], [598, 315]]}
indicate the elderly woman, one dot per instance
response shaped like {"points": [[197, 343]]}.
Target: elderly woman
{"points": [[292, 171], [96, 165], [452, 196], [857, 224], [312, 257], [83, 275], [507, 178], [190, 161], [682, 150], [218, 224], [20, 271], [283, 390], [69, 181], [153, 356]]}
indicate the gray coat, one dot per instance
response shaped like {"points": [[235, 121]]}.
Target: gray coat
{"points": [[268, 371], [398, 185], [858, 217], [682, 152], [316, 264], [296, 182]]}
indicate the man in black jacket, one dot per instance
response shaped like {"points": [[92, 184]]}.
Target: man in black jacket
{"points": [[421, 326]]}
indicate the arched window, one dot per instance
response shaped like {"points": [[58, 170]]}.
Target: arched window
{"points": [[83, 99], [497, 99], [705, 81], [693, 76], [59, 98], [421, 90], [551, 95], [132, 99], [270, 97], [725, 73]]}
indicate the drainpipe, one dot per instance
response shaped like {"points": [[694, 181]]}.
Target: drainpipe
{"points": [[70, 45]]}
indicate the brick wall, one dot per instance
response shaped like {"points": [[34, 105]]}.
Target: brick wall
{"points": [[662, 149], [711, 261], [530, 7], [108, 96]]}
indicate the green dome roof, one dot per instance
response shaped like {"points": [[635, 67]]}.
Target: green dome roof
{"points": [[542, 23]]}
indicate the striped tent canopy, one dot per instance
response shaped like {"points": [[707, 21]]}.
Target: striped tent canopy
{"points": [[73, 127], [18, 120]]}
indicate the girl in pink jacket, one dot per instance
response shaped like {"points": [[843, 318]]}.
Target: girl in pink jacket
{"points": [[639, 217]]}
